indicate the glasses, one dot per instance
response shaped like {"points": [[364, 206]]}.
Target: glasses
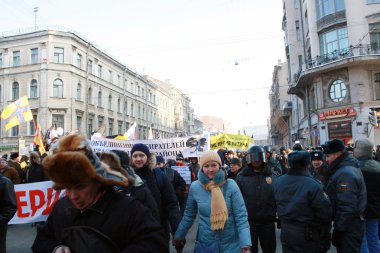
{"points": [[211, 165]]}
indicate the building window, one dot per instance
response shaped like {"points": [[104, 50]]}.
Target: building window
{"points": [[15, 91], [298, 30], [79, 91], [110, 126], [100, 71], [15, 131], [58, 54], [377, 85], [90, 66], [34, 55], [119, 127], [33, 89], [1, 60], [90, 126], [334, 41], [374, 33], [327, 7], [79, 61], [79, 123], [109, 102], [132, 110], [100, 122], [118, 105], [100, 99], [58, 88], [58, 120], [16, 58], [110, 74], [90, 99], [337, 91], [119, 80], [373, 1]]}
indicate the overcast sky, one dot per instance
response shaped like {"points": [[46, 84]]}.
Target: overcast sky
{"points": [[219, 52]]}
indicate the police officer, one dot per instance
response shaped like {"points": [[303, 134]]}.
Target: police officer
{"points": [[273, 164], [318, 167], [347, 192], [302, 207], [255, 183]]}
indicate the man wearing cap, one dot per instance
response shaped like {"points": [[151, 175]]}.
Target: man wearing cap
{"points": [[302, 207], [371, 173], [235, 167], [318, 167], [93, 216], [8, 207], [347, 192]]}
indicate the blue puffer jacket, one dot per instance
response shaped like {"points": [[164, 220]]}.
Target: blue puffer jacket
{"points": [[236, 230]]}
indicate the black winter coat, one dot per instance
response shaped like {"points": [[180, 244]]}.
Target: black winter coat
{"points": [[165, 198], [178, 183], [371, 174], [35, 173], [124, 220], [8, 204], [257, 191]]}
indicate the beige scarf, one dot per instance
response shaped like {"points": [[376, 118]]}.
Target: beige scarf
{"points": [[219, 211]]}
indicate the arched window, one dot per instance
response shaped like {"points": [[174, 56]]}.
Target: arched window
{"points": [[100, 98], [15, 91], [337, 91], [79, 91], [33, 92], [58, 88], [109, 102]]}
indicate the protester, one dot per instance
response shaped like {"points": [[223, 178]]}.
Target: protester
{"points": [[194, 168], [235, 168], [9, 172], [34, 171], [144, 164], [14, 162], [93, 217], [347, 192], [136, 188], [176, 180], [318, 168], [302, 207], [257, 190], [371, 173], [8, 208], [222, 216]]}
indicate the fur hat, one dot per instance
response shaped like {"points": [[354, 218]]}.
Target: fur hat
{"points": [[70, 169], [236, 161], [160, 159], [333, 146], [316, 155], [363, 149], [142, 148], [208, 156], [299, 159]]}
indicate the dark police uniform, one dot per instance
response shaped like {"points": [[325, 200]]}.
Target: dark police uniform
{"points": [[302, 207]]}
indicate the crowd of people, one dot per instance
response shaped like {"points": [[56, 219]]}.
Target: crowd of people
{"points": [[137, 202]]}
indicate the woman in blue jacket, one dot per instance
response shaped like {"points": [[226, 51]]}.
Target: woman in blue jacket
{"points": [[222, 214]]}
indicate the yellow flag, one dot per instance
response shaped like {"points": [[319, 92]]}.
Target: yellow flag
{"points": [[16, 113]]}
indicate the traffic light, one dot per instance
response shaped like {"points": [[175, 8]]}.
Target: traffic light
{"points": [[373, 118]]}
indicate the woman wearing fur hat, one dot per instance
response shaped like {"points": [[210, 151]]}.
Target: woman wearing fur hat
{"points": [[93, 217], [222, 215], [136, 188], [144, 164]]}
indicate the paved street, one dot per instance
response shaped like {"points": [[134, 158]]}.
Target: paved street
{"points": [[20, 239]]}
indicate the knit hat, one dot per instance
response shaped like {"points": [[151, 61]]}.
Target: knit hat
{"points": [[142, 148], [208, 156], [333, 146], [363, 149], [69, 169], [160, 159], [236, 161]]}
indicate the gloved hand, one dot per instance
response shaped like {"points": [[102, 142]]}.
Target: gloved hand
{"points": [[178, 244], [245, 249]]}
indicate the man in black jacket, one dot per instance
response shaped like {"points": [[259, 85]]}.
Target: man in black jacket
{"points": [[255, 183], [8, 207], [347, 192], [93, 217], [371, 173]]}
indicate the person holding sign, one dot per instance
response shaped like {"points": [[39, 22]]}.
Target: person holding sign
{"points": [[223, 221]]}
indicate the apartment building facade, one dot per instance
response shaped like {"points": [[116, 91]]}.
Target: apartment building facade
{"points": [[333, 56], [73, 84]]}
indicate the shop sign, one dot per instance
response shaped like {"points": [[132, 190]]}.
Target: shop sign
{"points": [[338, 113]]}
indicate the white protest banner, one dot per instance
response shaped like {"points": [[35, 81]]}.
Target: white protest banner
{"points": [[35, 201], [191, 146], [184, 171]]}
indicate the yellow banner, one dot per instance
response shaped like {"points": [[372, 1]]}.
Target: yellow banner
{"points": [[230, 141]]}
